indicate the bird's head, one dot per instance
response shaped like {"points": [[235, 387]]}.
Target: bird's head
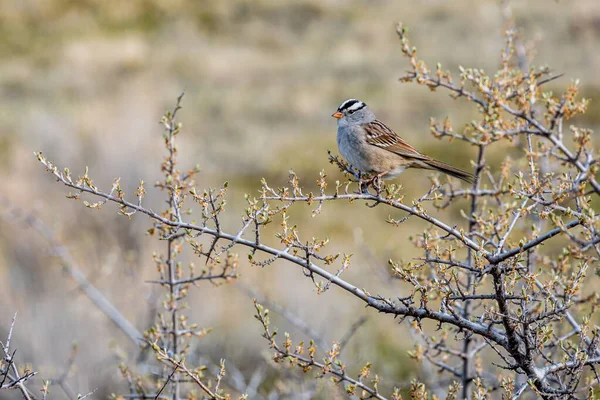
{"points": [[353, 111]]}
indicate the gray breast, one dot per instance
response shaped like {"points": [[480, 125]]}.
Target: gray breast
{"points": [[352, 148]]}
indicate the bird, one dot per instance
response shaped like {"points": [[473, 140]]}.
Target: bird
{"points": [[371, 147]]}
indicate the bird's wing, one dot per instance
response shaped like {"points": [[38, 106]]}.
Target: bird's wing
{"points": [[380, 135]]}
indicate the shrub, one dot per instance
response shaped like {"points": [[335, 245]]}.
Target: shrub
{"points": [[501, 303]]}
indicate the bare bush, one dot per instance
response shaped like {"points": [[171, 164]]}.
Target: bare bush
{"points": [[501, 303], [10, 375]]}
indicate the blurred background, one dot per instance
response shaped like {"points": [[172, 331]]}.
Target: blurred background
{"points": [[87, 81]]}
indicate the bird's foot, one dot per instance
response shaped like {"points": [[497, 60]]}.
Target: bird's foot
{"points": [[377, 182], [363, 187], [363, 184]]}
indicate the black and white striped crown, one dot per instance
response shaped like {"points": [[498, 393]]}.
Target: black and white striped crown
{"points": [[351, 105]]}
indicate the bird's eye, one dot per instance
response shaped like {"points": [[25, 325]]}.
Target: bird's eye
{"points": [[350, 111]]}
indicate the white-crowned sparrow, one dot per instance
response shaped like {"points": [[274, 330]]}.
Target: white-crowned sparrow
{"points": [[373, 148]]}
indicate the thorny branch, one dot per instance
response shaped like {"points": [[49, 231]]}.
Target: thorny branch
{"points": [[494, 280], [331, 364], [10, 376]]}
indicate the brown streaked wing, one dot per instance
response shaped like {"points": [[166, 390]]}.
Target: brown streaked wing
{"points": [[380, 135]]}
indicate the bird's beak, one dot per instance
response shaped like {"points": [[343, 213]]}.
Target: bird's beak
{"points": [[337, 115]]}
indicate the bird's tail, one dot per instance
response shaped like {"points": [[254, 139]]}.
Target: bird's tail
{"points": [[448, 170]]}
